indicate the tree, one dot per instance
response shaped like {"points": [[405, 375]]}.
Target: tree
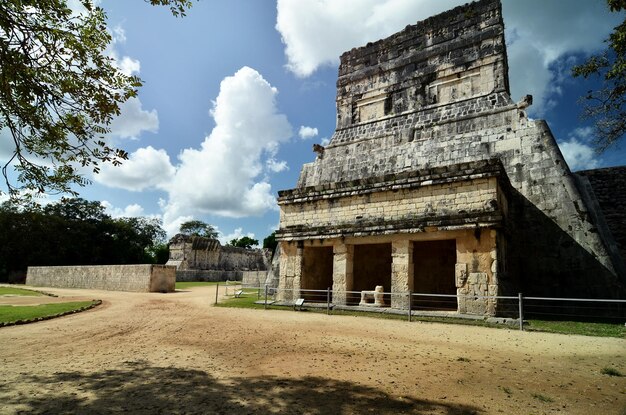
{"points": [[198, 228], [244, 242], [72, 232], [59, 91], [270, 242], [607, 105]]}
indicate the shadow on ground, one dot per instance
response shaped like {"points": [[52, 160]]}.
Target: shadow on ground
{"points": [[143, 389]]}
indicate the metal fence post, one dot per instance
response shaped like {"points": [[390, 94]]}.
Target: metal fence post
{"points": [[521, 312], [328, 301], [217, 290], [265, 303], [410, 305]]}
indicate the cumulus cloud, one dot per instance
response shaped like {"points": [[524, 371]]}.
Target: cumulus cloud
{"points": [[133, 210], [145, 168], [539, 33], [307, 132], [577, 152], [134, 120], [227, 174]]}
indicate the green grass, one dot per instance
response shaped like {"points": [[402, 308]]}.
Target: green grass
{"points": [[563, 327], [576, 327], [183, 285], [247, 301], [611, 372], [9, 314], [18, 291]]}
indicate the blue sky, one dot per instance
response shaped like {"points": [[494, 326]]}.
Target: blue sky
{"points": [[236, 93]]}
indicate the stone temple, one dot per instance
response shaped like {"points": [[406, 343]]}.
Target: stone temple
{"points": [[435, 181]]}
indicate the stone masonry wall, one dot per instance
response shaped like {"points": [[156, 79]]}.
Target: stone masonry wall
{"points": [[197, 253], [478, 195], [139, 278], [436, 94]]}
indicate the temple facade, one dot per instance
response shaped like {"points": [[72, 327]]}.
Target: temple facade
{"points": [[436, 182]]}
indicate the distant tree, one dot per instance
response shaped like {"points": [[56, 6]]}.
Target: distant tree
{"points": [[73, 232], [160, 253], [607, 105], [244, 242], [59, 91], [198, 228], [270, 242]]}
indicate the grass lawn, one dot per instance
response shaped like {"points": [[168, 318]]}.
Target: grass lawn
{"points": [[576, 327], [18, 291], [9, 314], [182, 285], [563, 327]]}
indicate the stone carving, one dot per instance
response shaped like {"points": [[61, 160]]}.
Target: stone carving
{"points": [[460, 271], [377, 296]]}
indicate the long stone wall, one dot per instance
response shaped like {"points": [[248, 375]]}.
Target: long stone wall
{"points": [[139, 278]]}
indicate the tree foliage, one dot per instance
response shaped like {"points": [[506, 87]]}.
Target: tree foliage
{"points": [[606, 106], [270, 242], [59, 92], [73, 232], [198, 228], [244, 242]]}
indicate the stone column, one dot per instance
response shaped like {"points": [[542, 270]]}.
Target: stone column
{"points": [[290, 271], [343, 277], [401, 272]]}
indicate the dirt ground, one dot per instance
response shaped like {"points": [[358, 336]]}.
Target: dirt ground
{"points": [[176, 353]]}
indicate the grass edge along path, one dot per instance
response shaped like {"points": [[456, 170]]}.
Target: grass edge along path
{"points": [[4, 290], [13, 315], [560, 327]]}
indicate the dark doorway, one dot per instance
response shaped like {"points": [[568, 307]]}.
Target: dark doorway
{"points": [[433, 273], [317, 273], [372, 267]]}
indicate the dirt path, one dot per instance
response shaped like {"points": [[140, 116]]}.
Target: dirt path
{"points": [[175, 353]]}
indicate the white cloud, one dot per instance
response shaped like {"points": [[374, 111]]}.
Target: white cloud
{"points": [[276, 166], [172, 227], [236, 234], [133, 210], [145, 168], [542, 33], [226, 176], [539, 33], [307, 132], [578, 154], [134, 120], [346, 24]]}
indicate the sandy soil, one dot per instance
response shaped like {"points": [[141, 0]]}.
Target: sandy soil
{"points": [[175, 353]]}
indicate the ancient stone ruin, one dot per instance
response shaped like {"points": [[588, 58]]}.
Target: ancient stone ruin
{"points": [[435, 181], [204, 259]]}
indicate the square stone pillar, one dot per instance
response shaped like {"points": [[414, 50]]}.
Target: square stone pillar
{"points": [[290, 271], [401, 273], [343, 276]]}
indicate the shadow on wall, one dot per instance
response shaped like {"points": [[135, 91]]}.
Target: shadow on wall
{"points": [[545, 261], [141, 388]]}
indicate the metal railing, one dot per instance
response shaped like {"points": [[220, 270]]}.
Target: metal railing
{"points": [[513, 309]]}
